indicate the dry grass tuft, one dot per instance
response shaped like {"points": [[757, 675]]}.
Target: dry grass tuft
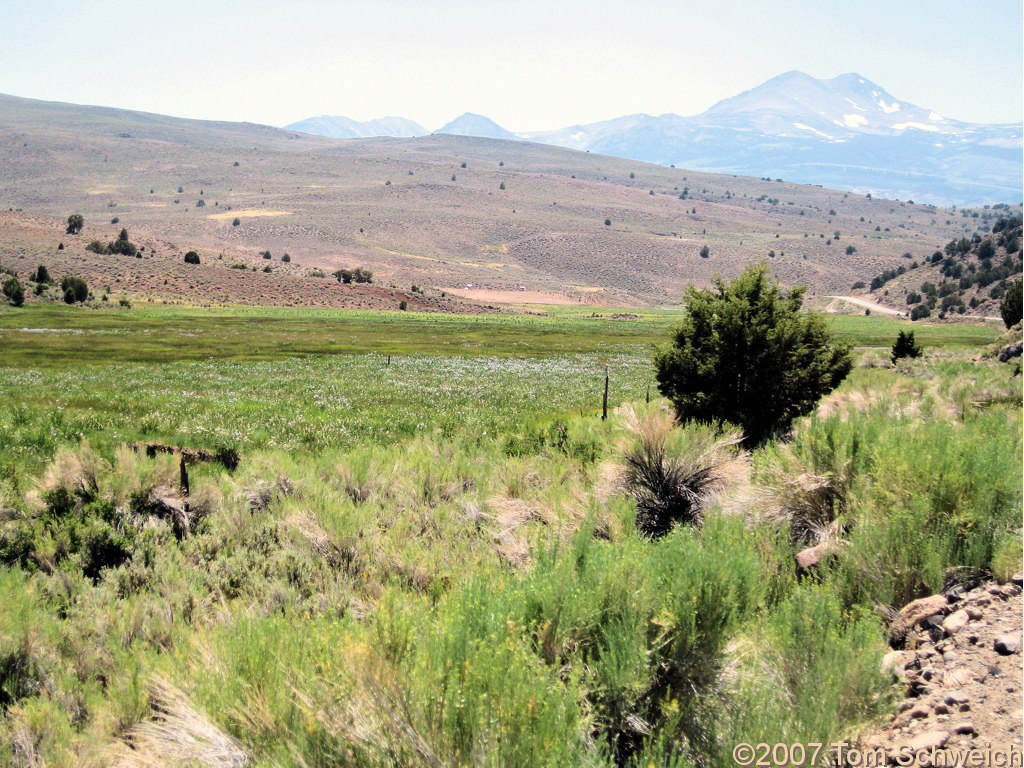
{"points": [[177, 735], [809, 504], [374, 715]]}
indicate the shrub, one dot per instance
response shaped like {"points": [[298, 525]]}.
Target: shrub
{"points": [[905, 346], [193, 258], [670, 472], [75, 223], [607, 222], [1011, 308], [357, 275], [920, 312], [13, 291], [235, 222], [858, 284], [502, 185], [705, 252], [97, 246], [122, 245], [41, 275], [286, 258], [402, 305], [77, 288], [747, 355]]}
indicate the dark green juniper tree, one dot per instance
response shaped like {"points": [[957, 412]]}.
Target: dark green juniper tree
{"points": [[746, 354], [905, 346]]}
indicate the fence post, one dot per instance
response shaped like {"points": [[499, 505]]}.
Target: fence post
{"points": [[604, 410], [648, 393], [184, 476]]}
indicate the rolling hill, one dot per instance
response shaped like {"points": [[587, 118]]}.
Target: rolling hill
{"points": [[488, 220]]}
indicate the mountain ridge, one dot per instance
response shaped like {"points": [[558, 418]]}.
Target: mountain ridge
{"points": [[844, 132]]}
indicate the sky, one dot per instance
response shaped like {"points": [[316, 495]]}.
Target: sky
{"points": [[527, 64]]}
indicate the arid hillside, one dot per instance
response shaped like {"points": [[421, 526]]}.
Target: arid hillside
{"points": [[440, 212]]}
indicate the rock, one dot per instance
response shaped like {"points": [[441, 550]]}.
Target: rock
{"points": [[892, 664], [973, 613], [933, 675], [955, 622], [949, 656], [956, 678], [964, 727], [952, 699], [1007, 645], [916, 612], [809, 558], [1011, 590], [918, 713], [940, 709], [926, 741], [1017, 579]]}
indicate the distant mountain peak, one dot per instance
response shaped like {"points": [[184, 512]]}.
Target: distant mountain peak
{"points": [[338, 127], [472, 124]]}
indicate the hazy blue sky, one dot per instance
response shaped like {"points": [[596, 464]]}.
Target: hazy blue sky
{"points": [[528, 64]]}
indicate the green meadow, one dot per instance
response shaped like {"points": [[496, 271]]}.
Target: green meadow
{"points": [[433, 559]]}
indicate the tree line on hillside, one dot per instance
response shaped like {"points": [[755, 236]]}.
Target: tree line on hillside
{"points": [[965, 263]]}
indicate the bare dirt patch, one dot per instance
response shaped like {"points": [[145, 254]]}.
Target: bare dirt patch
{"points": [[247, 214], [497, 296]]}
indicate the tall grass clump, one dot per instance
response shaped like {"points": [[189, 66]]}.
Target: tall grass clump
{"points": [[808, 673], [672, 471]]}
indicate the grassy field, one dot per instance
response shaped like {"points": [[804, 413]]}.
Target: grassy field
{"points": [[261, 377], [435, 562]]}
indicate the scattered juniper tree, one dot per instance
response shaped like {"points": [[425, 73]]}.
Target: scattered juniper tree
{"points": [[75, 223], [13, 291], [1013, 305], [905, 346], [75, 289], [746, 354]]}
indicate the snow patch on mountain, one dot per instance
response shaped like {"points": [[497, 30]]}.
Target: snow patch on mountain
{"points": [[803, 127], [919, 126]]}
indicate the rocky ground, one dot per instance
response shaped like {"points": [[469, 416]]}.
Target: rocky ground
{"points": [[959, 674]]}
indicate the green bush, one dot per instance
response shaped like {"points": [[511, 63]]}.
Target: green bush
{"points": [[122, 245], [14, 291], [75, 287], [1011, 308], [75, 223], [41, 275], [905, 346], [747, 355], [193, 258]]}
